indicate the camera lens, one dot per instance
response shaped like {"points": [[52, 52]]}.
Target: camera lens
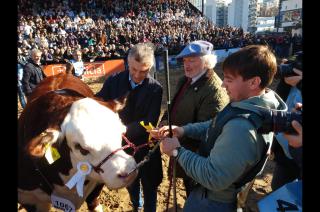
{"points": [[282, 121], [279, 121]]}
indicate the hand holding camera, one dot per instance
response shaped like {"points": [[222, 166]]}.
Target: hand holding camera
{"points": [[295, 140], [286, 69], [294, 80]]}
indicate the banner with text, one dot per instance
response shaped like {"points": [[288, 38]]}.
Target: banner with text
{"points": [[94, 69]]}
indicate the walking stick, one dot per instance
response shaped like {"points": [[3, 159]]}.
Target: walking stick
{"points": [[166, 66]]}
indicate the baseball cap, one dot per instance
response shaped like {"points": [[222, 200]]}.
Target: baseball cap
{"points": [[196, 48]]}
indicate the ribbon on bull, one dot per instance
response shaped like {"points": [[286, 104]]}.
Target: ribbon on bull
{"points": [[83, 169]]}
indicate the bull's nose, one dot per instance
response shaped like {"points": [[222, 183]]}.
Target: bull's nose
{"points": [[128, 177], [125, 175]]}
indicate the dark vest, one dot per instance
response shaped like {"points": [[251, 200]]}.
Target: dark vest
{"points": [[215, 130]]}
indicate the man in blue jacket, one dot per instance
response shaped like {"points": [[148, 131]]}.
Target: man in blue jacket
{"points": [[32, 72], [143, 104], [231, 148]]}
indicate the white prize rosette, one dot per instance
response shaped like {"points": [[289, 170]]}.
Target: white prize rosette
{"points": [[84, 168]]}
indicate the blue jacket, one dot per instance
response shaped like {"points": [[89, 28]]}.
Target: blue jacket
{"points": [[32, 76]]}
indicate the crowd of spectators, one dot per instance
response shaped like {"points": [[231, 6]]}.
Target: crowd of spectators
{"points": [[105, 29]]}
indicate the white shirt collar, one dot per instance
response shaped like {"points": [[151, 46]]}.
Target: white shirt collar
{"points": [[194, 79]]}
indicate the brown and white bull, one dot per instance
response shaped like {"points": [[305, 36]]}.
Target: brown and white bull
{"points": [[62, 114]]}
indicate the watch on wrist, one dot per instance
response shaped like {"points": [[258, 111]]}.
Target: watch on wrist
{"points": [[176, 151]]}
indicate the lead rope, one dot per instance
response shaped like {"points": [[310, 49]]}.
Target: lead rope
{"points": [[170, 182], [174, 185], [172, 179], [128, 145]]}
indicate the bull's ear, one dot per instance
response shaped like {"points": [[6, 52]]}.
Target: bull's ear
{"points": [[120, 103], [115, 105], [37, 145]]}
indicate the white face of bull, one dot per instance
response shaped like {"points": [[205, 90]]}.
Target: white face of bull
{"points": [[93, 131]]}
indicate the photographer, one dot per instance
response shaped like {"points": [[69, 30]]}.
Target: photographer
{"points": [[289, 88]]}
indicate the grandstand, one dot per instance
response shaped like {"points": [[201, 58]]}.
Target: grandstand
{"points": [[105, 29]]}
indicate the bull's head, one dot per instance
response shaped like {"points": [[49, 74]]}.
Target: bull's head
{"points": [[92, 131]]}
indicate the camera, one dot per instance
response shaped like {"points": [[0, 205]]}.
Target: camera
{"points": [[279, 121], [286, 70]]}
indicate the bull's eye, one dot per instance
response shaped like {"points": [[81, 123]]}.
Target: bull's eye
{"points": [[82, 150]]}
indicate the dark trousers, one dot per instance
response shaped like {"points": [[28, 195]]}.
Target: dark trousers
{"points": [[188, 184], [149, 193], [283, 174]]}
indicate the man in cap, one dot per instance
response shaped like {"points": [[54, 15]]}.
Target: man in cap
{"points": [[198, 98]]}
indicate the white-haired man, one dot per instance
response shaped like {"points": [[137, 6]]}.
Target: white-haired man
{"points": [[199, 95]]}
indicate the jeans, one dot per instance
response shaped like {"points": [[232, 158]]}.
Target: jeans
{"points": [[149, 192], [197, 201], [21, 97], [188, 184]]}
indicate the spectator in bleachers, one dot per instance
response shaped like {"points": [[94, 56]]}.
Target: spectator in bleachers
{"points": [[57, 56], [23, 56], [92, 41], [68, 54], [100, 53], [91, 54], [72, 40], [47, 57]]}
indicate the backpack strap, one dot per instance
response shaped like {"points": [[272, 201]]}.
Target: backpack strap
{"points": [[254, 171], [213, 133], [227, 114]]}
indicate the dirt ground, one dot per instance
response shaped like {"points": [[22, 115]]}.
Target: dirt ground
{"points": [[119, 201]]}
